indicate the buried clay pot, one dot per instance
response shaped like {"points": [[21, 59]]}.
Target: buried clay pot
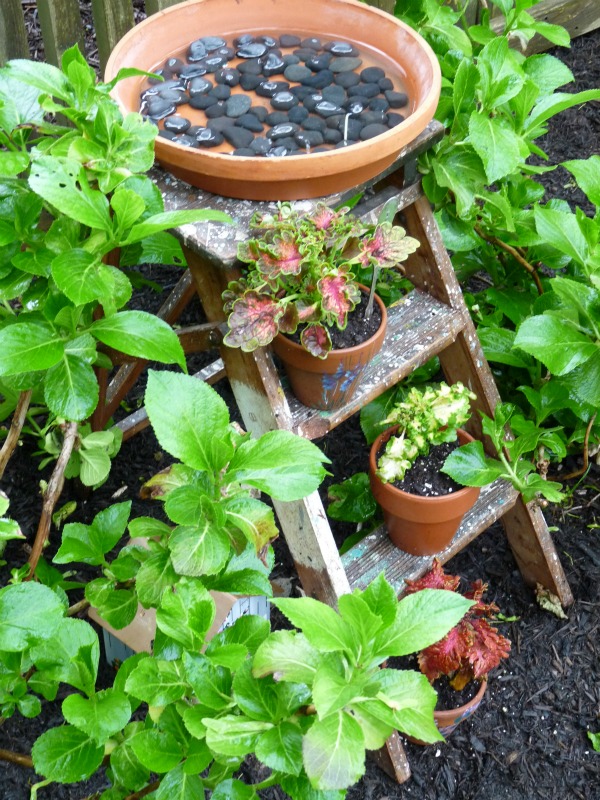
{"points": [[448, 719], [328, 383], [421, 526]]}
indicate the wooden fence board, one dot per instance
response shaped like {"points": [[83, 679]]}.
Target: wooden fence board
{"points": [[112, 20], [13, 37], [577, 16], [61, 26]]}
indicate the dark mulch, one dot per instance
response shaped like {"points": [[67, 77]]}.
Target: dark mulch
{"points": [[528, 739]]}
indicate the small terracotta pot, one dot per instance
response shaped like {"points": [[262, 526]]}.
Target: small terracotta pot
{"points": [[448, 719], [421, 526], [328, 383]]}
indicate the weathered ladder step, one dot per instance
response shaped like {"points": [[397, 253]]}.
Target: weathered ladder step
{"points": [[419, 327], [376, 553]]}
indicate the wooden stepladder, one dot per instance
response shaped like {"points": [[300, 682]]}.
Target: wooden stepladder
{"points": [[432, 320]]}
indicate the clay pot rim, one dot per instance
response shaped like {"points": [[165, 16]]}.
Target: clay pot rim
{"points": [[342, 351], [415, 498], [474, 700]]}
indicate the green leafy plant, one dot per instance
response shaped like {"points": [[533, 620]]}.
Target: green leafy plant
{"points": [[92, 453], [301, 272], [473, 647]]}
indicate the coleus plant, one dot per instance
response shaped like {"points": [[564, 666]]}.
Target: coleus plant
{"points": [[307, 703], [300, 272], [473, 647]]}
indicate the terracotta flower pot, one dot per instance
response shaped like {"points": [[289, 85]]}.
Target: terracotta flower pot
{"points": [[448, 719], [381, 39], [328, 383], [421, 526]]}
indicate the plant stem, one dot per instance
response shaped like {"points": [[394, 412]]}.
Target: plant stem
{"points": [[369, 308], [586, 455], [77, 608], [143, 792], [52, 494], [16, 758], [515, 254], [16, 426]]}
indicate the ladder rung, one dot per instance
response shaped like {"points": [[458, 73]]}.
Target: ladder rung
{"points": [[418, 328], [376, 553]]}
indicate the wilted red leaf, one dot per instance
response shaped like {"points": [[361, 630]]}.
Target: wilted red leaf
{"points": [[488, 648], [436, 578], [446, 656]]}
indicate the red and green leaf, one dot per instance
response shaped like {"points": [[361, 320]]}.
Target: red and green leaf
{"points": [[339, 294], [436, 578], [315, 338], [386, 247], [254, 321]]}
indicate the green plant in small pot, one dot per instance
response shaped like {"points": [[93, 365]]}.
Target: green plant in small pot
{"points": [[301, 280], [458, 665], [406, 460]]}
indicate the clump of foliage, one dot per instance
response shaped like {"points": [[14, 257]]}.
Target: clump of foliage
{"points": [[473, 647], [301, 271]]}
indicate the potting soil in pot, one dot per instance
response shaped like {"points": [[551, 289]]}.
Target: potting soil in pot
{"points": [[357, 331], [424, 477], [273, 96]]}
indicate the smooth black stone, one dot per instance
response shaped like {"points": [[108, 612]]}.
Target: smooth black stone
{"points": [[173, 96], [199, 86], [394, 119], [301, 92], [261, 145], [351, 130], [366, 90], [251, 67], [320, 79], [314, 124], [277, 152], [174, 65], [218, 110], [370, 131], [221, 92], [151, 92], [245, 38], [308, 139], [311, 100], [346, 143], [346, 79], [289, 59], [251, 50], [276, 118], [220, 123], [192, 71], [238, 104], [319, 62], [238, 137], [379, 104], [194, 130], [166, 134], [226, 52], [176, 84], [185, 140], [385, 84], [283, 101], [249, 82], [270, 41], [213, 43], [297, 72], [327, 109], [244, 151], [312, 42], [396, 99], [158, 74], [214, 63], [250, 122], [260, 112], [159, 108], [345, 64], [227, 76], [335, 121], [282, 130], [273, 65], [177, 124], [305, 53], [297, 114], [196, 51], [340, 48], [209, 137], [332, 137], [356, 105], [320, 149], [289, 40], [270, 88], [335, 94], [203, 101], [373, 118], [372, 74]]}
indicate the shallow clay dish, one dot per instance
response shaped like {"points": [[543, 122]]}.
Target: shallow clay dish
{"points": [[381, 39]]}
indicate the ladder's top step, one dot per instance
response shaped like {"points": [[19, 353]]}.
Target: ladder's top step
{"points": [[419, 327], [376, 553]]}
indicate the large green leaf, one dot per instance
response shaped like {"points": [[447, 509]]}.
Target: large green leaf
{"points": [[413, 700], [77, 274], [66, 755], [280, 749], [586, 172], [71, 656], [322, 626], [104, 714], [256, 697], [45, 77], [498, 346], [157, 682], [157, 750], [461, 170], [140, 334], [89, 543], [29, 612], [469, 466], [290, 655], [28, 347], [584, 381], [199, 550], [211, 684], [562, 231], [233, 735], [178, 785], [172, 219], [71, 390], [334, 752], [154, 576], [547, 72], [255, 519], [555, 103], [497, 144], [558, 345], [333, 688], [186, 614]]}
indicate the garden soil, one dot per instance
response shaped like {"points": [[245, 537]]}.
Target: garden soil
{"points": [[529, 737]]}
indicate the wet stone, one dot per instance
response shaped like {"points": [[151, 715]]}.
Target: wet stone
{"points": [[217, 110], [314, 124], [301, 92], [335, 94], [227, 76], [332, 137], [289, 59], [270, 88], [319, 62], [213, 42], [335, 120], [394, 119], [177, 124], [203, 101], [297, 114], [252, 50], [238, 104], [159, 108], [366, 90], [288, 142], [273, 65], [312, 42], [310, 102], [346, 79], [350, 129], [289, 40], [282, 130], [158, 75], [221, 92], [185, 140], [225, 52], [373, 118], [340, 48], [385, 84], [396, 99], [192, 71], [283, 101], [220, 123], [344, 64], [249, 82], [214, 63], [208, 137], [174, 65], [165, 134], [346, 143], [261, 145], [304, 53], [277, 152], [173, 96], [250, 122], [244, 151], [199, 86], [327, 109], [308, 139], [379, 104], [245, 38], [276, 118], [252, 67], [238, 137], [370, 131], [297, 72], [372, 74], [320, 79], [270, 41], [196, 51], [355, 105], [260, 112]]}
